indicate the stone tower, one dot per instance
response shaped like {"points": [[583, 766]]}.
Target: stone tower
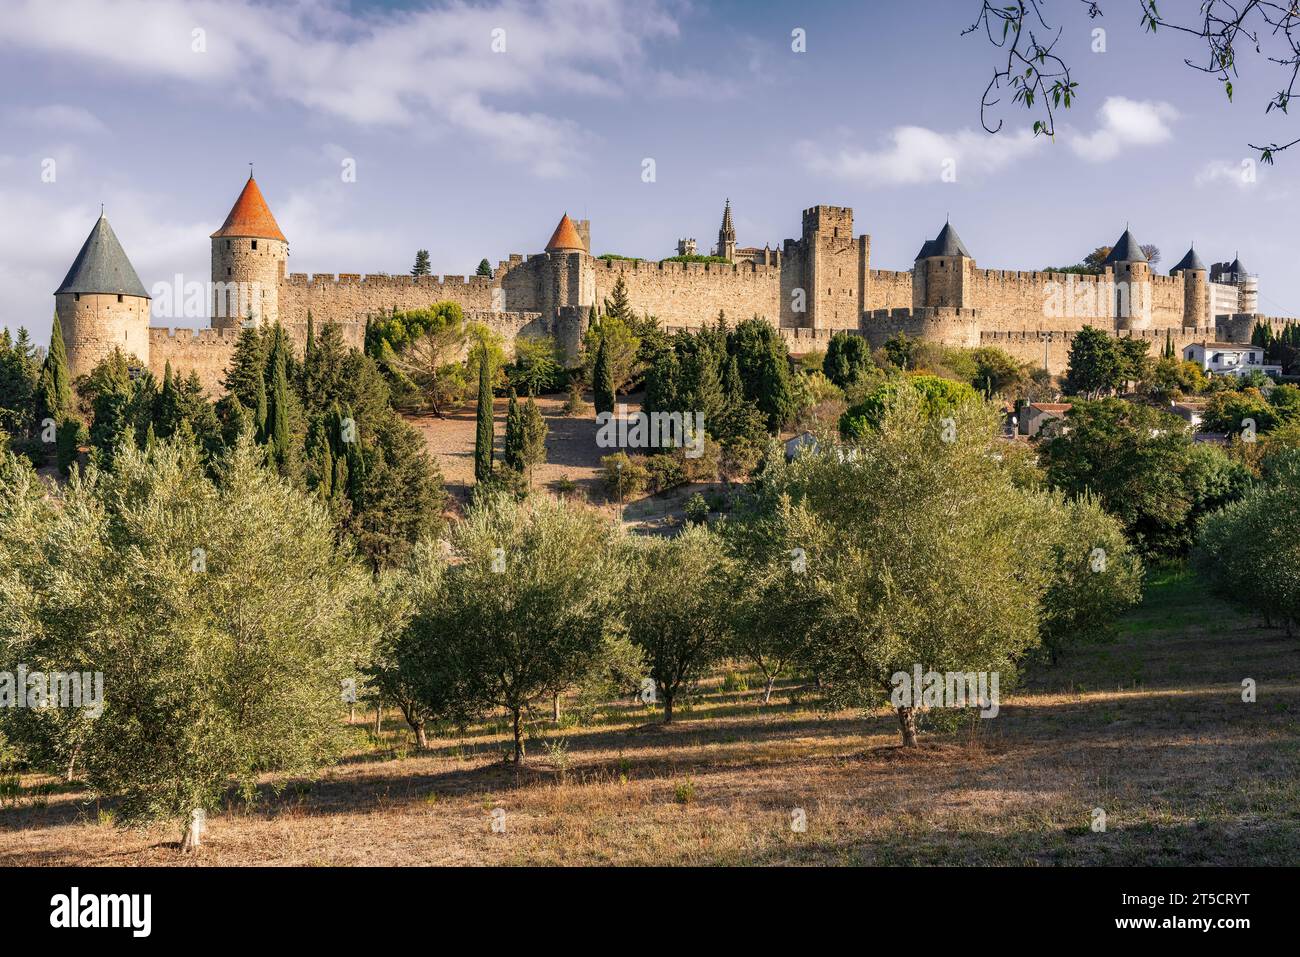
{"points": [[101, 304], [1196, 290], [570, 278], [1132, 277], [834, 268], [942, 271], [249, 257], [727, 235]]}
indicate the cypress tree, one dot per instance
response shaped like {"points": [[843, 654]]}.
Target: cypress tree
{"points": [[486, 432], [311, 340], [279, 415], [55, 390], [532, 438], [259, 410], [604, 384], [513, 453]]}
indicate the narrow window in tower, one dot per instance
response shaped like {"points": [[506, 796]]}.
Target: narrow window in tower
{"points": [[227, 243], [254, 243], [119, 297], [76, 297], [228, 270]]}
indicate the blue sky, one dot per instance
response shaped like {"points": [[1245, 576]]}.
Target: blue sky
{"points": [[471, 153]]}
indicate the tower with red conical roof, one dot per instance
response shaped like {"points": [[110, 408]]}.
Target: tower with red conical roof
{"points": [[249, 258]]}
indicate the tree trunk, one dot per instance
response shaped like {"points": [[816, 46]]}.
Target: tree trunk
{"points": [[421, 739], [72, 762], [668, 709], [907, 725], [379, 719], [192, 839], [519, 736], [767, 692], [555, 707]]}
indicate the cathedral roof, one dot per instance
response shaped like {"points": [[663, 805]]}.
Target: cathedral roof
{"points": [[250, 217], [565, 239], [102, 267], [947, 243], [1190, 261], [1125, 250]]}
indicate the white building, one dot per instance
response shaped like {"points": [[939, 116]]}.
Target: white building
{"points": [[1228, 358]]}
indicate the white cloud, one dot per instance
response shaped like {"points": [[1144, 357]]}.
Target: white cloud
{"points": [[56, 116], [915, 154], [407, 68], [1241, 173], [1123, 123]]}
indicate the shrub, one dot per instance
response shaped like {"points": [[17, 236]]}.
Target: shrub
{"points": [[624, 476], [665, 471], [697, 509]]}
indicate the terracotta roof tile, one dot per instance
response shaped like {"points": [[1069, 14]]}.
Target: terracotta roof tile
{"points": [[251, 217], [565, 239]]}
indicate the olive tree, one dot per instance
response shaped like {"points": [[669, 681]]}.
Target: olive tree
{"points": [[778, 605], [525, 601], [222, 613], [934, 557], [677, 608]]}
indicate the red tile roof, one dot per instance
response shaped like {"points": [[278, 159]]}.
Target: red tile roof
{"points": [[250, 217], [565, 239]]}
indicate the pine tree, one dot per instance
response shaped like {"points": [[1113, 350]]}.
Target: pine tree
{"points": [[1169, 344], [247, 366], [619, 305], [486, 434], [512, 454], [421, 267], [604, 381], [484, 268]]}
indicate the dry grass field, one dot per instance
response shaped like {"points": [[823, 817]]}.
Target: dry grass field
{"points": [[1152, 729]]}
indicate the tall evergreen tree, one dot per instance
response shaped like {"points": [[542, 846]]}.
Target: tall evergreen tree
{"points": [[619, 304], [421, 267], [486, 433], [260, 409], [484, 268], [512, 454], [55, 389], [603, 386], [532, 443], [311, 339], [278, 415]]}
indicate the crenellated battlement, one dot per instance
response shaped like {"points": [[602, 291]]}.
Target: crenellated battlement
{"points": [[161, 335], [386, 280], [737, 269]]}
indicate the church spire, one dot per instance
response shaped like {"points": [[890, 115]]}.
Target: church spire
{"points": [[727, 235]]}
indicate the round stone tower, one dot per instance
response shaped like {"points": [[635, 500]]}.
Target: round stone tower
{"points": [[249, 256], [1131, 274], [1196, 290], [101, 305], [570, 278]]}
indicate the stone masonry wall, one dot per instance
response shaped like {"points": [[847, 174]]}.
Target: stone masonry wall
{"points": [[351, 296], [691, 294]]}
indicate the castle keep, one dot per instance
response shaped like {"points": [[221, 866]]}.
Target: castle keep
{"points": [[810, 288]]}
